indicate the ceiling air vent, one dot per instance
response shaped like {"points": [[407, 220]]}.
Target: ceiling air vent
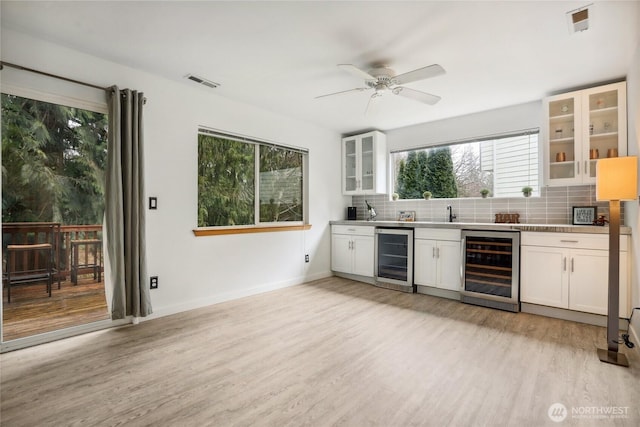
{"points": [[202, 81], [578, 19]]}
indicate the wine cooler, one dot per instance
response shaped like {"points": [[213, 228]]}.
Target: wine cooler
{"points": [[394, 259], [491, 274]]}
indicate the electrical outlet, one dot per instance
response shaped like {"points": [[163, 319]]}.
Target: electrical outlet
{"points": [[153, 282], [306, 258]]}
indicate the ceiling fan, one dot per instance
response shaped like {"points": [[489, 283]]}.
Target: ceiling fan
{"points": [[382, 79]]}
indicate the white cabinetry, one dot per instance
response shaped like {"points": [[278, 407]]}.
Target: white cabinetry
{"points": [[352, 249], [364, 164], [437, 258], [571, 270], [581, 127]]}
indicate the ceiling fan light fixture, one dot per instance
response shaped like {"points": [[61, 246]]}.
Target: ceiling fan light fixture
{"points": [[383, 79]]}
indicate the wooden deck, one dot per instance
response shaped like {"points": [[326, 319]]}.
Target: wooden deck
{"points": [[32, 312]]}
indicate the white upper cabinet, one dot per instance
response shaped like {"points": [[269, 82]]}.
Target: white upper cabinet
{"points": [[364, 165], [580, 128]]}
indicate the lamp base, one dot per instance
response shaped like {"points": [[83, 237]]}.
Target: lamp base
{"points": [[613, 357]]}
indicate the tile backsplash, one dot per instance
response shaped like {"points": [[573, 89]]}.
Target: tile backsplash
{"points": [[554, 206]]}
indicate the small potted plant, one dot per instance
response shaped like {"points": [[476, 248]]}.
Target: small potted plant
{"points": [[427, 195], [526, 191], [395, 196], [484, 193]]}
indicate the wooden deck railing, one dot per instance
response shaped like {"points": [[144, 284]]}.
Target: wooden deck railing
{"points": [[30, 233]]}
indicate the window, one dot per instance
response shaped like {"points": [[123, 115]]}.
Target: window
{"points": [[502, 164], [243, 182]]}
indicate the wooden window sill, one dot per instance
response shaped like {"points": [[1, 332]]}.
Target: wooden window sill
{"points": [[200, 232]]}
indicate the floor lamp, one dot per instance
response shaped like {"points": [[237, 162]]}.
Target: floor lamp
{"points": [[616, 180]]}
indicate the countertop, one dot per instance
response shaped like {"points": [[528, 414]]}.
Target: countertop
{"points": [[553, 228]]}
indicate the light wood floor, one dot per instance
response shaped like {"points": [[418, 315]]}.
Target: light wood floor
{"points": [[331, 352], [31, 310]]}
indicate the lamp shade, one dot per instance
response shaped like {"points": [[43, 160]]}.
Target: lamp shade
{"points": [[617, 178]]}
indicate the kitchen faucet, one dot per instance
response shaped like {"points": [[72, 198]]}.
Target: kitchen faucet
{"points": [[451, 215]]}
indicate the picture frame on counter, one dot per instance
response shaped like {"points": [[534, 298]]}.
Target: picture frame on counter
{"points": [[407, 216], [584, 215]]}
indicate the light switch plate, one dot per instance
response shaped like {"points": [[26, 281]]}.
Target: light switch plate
{"points": [[153, 203]]}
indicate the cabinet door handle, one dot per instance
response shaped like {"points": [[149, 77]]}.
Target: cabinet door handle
{"points": [[564, 264], [578, 164], [438, 252], [572, 265], [586, 166], [568, 241], [350, 244]]}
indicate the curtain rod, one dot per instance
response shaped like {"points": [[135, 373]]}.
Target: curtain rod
{"points": [[31, 70]]}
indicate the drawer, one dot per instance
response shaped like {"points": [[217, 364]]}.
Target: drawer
{"points": [[360, 230], [571, 240], [437, 234]]}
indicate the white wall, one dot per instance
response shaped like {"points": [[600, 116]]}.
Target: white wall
{"points": [[199, 271], [632, 216]]}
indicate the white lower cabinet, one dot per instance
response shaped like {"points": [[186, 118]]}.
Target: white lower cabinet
{"points": [[352, 249], [571, 271], [437, 258]]}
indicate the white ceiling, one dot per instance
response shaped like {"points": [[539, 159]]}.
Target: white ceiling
{"points": [[281, 55]]}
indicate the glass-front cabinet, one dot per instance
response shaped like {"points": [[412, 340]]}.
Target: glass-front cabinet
{"points": [[364, 163], [582, 127]]}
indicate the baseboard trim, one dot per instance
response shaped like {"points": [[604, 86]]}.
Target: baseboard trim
{"points": [[357, 278], [229, 296], [575, 316], [437, 292]]}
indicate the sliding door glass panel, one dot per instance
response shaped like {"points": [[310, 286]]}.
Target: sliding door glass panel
{"points": [[53, 162]]}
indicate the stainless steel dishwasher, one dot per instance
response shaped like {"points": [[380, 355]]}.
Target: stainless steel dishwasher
{"points": [[491, 269], [394, 259]]}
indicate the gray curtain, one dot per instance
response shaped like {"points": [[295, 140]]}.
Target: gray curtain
{"points": [[125, 208]]}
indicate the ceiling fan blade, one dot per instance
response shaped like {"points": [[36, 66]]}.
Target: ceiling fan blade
{"points": [[419, 74], [373, 101], [355, 71], [358, 89], [417, 95]]}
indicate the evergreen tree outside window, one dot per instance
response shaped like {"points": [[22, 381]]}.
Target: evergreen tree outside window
{"points": [[244, 182], [53, 161]]}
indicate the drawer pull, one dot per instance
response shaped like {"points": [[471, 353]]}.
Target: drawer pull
{"points": [[569, 241], [351, 229]]}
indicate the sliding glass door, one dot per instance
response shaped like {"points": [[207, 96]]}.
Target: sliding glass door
{"points": [[53, 162]]}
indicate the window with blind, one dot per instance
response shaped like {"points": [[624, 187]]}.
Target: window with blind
{"points": [[244, 181]]}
